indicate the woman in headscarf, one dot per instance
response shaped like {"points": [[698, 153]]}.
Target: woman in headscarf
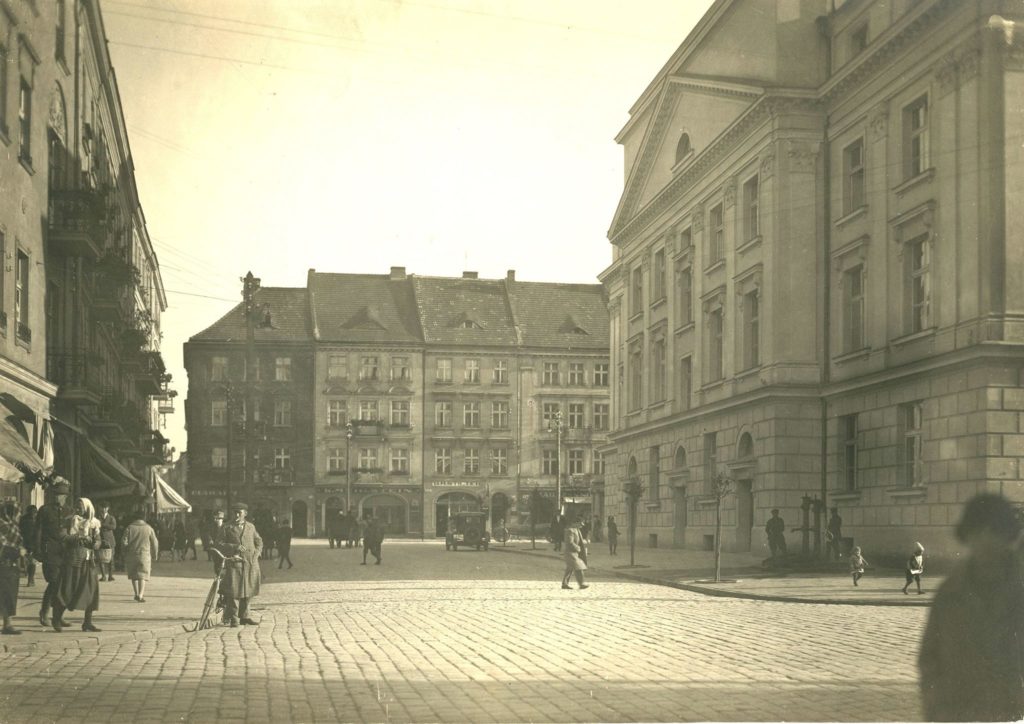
{"points": [[80, 587], [11, 549]]}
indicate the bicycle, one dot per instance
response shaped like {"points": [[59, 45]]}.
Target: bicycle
{"points": [[214, 603]]}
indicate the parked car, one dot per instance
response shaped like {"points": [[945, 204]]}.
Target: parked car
{"points": [[467, 529]]}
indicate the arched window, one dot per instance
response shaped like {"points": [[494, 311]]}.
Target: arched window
{"points": [[631, 470], [746, 446], [679, 462], [683, 147]]}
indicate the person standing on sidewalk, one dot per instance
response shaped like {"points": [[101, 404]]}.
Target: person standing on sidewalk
{"points": [[141, 548], [284, 543], [971, 660], [191, 533], [833, 535], [242, 547], [373, 538], [915, 567], [613, 536], [51, 531], [575, 554], [108, 541], [79, 582], [27, 525], [775, 529], [11, 551]]}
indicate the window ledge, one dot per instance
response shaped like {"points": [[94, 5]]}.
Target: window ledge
{"points": [[720, 264], [913, 337], [750, 371], [636, 316], [686, 327], [443, 382], [917, 491], [26, 163], [659, 302], [851, 216], [924, 177], [707, 502], [652, 506], [683, 162], [657, 405], [712, 385], [749, 244], [847, 496], [634, 413], [851, 356]]}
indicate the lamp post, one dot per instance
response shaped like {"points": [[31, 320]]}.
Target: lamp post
{"points": [[721, 486], [633, 489], [348, 466], [556, 427]]}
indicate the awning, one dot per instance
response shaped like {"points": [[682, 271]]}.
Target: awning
{"points": [[16, 452], [103, 476], [168, 500]]}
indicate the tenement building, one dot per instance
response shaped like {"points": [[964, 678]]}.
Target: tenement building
{"points": [[82, 381], [428, 396], [815, 291]]}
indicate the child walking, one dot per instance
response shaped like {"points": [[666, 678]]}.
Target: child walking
{"points": [[915, 567], [857, 564]]}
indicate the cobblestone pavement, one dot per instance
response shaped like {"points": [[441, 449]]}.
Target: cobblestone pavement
{"points": [[466, 636]]}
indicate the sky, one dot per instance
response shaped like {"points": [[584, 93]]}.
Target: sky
{"points": [[355, 135]]}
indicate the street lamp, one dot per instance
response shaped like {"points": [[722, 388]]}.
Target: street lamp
{"points": [[556, 427], [348, 466]]}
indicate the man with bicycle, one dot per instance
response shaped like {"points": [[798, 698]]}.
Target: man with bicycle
{"points": [[241, 546]]}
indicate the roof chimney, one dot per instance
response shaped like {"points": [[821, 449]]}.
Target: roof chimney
{"points": [[397, 273], [470, 275], [510, 275]]}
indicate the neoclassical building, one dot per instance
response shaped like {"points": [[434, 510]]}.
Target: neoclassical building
{"points": [[814, 287]]}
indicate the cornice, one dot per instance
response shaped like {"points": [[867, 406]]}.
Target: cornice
{"points": [[27, 378]]}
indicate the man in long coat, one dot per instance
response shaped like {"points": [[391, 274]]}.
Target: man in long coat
{"points": [[51, 530], [241, 546], [575, 554]]}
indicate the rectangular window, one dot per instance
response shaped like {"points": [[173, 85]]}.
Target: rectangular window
{"points": [[399, 413], [25, 122], [471, 372], [369, 368], [601, 374], [499, 461], [710, 458], [715, 368], [218, 369], [282, 413], [282, 458], [549, 462], [577, 377], [336, 460], [444, 370], [337, 413], [400, 371], [636, 375], [471, 414], [399, 461], [368, 410], [575, 461], [751, 330], [551, 376], [917, 264], [716, 235], [577, 415], [658, 283], [337, 367], [219, 457], [499, 415], [60, 31], [219, 413], [915, 138], [443, 414], [443, 460], [848, 433], [549, 413], [471, 461], [368, 459], [21, 295], [601, 415], [685, 382], [638, 291], [911, 418], [283, 369], [853, 176], [598, 462], [500, 372], [684, 293], [751, 209], [658, 368], [853, 309], [654, 474]]}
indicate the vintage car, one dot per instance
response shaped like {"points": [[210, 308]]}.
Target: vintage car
{"points": [[468, 530]]}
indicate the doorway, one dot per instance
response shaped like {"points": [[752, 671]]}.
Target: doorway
{"points": [[449, 504], [299, 519], [499, 509], [744, 514], [388, 510], [333, 508], [679, 517]]}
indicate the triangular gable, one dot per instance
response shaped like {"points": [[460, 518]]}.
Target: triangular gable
{"points": [[365, 318], [571, 326]]}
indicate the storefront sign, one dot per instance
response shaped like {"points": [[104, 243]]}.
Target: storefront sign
{"points": [[456, 484], [384, 489], [206, 493]]}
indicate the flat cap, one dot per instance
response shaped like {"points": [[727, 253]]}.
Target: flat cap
{"points": [[239, 506]]}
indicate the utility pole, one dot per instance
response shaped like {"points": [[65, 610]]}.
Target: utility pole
{"points": [[229, 395], [249, 286]]}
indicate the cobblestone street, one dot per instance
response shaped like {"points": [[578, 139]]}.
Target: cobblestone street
{"points": [[467, 636]]}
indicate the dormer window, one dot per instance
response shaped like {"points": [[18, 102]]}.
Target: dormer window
{"points": [[571, 326], [464, 321], [469, 324], [683, 147]]}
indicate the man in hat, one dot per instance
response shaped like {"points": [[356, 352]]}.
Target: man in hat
{"points": [[52, 529], [241, 546]]}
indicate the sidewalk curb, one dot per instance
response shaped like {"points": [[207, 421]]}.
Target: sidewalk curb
{"points": [[87, 642], [724, 593]]}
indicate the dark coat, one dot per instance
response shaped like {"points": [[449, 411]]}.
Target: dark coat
{"points": [[241, 578], [51, 530]]}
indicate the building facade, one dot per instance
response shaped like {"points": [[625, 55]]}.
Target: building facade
{"points": [[812, 287]]}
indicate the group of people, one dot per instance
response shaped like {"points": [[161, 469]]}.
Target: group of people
{"points": [[348, 530]]}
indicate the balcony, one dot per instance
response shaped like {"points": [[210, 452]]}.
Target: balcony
{"points": [[277, 476], [154, 448], [77, 376], [367, 428], [77, 222], [149, 375], [110, 303], [24, 333]]}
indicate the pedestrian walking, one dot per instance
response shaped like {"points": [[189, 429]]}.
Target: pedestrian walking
{"points": [[971, 660], [241, 545], [598, 537], [334, 528], [358, 530], [11, 551], [613, 536], [857, 564], [27, 525], [108, 541], [141, 548], [557, 531], [51, 531], [833, 535], [373, 538], [585, 527], [914, 568], [180, 540], [191, 533], [575, 554], [775, 528], [79, 582], [284, 543]]}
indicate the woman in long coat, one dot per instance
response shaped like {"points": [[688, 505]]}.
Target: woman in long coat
{"points": [[79, 585], [242, 546], [575, 553]]}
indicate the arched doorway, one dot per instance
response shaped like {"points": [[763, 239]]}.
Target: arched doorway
{"points": [[388, 510], [300, 515], [744, 471], [450, 503], [333, 508], [500, 505]]}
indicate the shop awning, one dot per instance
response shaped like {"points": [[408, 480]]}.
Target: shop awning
{"points": [[168, 500], [103, 476], [16, 452]]}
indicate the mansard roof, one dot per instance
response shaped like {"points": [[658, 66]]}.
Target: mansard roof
{"points": [[288, 319], [362, 308]]}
